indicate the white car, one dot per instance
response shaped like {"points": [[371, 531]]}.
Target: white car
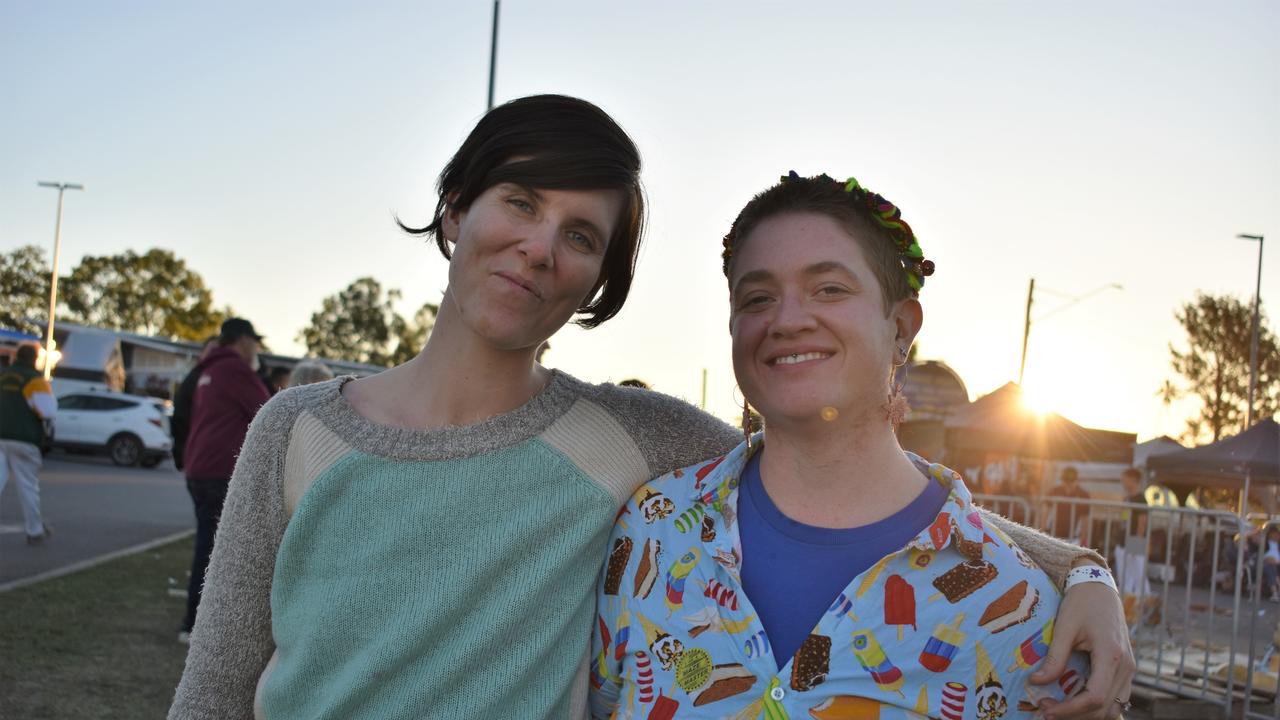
{"points": [[131, 429]]}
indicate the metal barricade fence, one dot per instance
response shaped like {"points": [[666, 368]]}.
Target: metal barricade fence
{"points": [[1201, 625]]}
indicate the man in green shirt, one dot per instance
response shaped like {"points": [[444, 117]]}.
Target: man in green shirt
{"points": [[26, 402]]}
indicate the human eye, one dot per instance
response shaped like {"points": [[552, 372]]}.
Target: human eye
{"points": [[832, 290], [754, 301], [582, 241], [520, 203]]}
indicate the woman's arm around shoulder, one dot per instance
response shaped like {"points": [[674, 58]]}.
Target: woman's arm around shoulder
{"points": [[231, 642], [1090, 619]]}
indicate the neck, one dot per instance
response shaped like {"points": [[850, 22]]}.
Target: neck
{"points": [[457, 379], [838, 474]]}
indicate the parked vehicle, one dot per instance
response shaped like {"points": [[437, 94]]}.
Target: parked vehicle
{"points": [[131, 429]]}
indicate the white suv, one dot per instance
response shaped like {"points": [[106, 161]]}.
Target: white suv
{"points": [[132, 429]]}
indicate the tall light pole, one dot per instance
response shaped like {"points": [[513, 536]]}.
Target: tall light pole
{"points": [[53, 282], [493, 53], [1253, 346]]}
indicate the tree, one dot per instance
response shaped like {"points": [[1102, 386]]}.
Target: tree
{"points": [[24, 289], [152, 294], [360, 324], [413, 333], [1215, 366]]}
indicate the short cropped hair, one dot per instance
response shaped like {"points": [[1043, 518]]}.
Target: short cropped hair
{"points": [[821, 195]]}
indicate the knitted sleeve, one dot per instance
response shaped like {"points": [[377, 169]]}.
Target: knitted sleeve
{"points": [[231, 642], [670, 433], [1054, 556]]}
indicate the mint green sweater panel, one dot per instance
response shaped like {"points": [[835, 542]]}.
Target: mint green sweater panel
{"points": [[379, 574]]}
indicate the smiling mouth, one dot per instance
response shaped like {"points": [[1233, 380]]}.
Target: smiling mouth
{"points": [[796, 359], [520, 284]]}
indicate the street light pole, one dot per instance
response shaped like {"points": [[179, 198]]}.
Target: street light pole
{"points": [[493, 53], [53, 281], [1253, 346]]}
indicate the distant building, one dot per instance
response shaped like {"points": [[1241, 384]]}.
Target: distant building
{"points": [[139, 364]]}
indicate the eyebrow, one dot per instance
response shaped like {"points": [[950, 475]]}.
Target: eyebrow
{"points": [[820, 268]]}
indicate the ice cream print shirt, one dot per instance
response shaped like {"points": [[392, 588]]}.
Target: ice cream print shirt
{"points": [[950, 626]]}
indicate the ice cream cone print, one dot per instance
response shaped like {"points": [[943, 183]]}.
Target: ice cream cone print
{"points": [[989, 699], [922, 701], [846, 707]]}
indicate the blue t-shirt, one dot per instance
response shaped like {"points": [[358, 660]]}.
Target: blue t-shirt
{"points": [[793, 572]]}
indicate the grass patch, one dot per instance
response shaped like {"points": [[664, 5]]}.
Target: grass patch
{"points": [[101, 643]]}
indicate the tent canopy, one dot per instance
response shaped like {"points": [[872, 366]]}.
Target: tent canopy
{"points": [[1255, 451]]}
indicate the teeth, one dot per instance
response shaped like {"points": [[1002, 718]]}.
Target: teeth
{"points": [[795, 359]]}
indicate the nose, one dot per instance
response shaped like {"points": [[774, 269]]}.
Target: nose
{"points": [[538, 245], [791, 317]]}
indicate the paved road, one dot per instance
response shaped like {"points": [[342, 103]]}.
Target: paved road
{"points": [[96, 508]]}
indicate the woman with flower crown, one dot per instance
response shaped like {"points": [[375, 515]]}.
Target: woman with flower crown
{"points": [[817, 569]]}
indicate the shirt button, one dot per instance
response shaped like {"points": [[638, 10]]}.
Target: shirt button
{"points": [[777, 693]]}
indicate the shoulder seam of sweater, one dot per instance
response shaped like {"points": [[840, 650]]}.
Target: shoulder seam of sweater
{"points": [[596, 442], [312, 449]]}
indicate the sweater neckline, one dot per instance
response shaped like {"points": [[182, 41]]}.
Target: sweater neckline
{"points": [[454, 441]]}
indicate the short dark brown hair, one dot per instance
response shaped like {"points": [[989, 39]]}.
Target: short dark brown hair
{"points": [[825, 196], [26, 354], [552, 142]]}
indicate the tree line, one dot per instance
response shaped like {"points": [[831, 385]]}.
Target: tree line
{"points": [[157, 293]]}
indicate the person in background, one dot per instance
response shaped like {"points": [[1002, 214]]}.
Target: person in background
{"points": [[26, 405], [1070, 518], [309, 371], [228, 394], [183, 400], [1131, 553], [278, 379]]}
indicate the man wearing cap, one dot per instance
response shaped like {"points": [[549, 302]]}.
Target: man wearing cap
{"points": [[26, 403], [228, 395]]}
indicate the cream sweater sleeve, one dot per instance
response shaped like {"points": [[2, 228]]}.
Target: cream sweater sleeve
{"points": [[1054, 556]]}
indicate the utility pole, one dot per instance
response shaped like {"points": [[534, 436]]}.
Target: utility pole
{"points": [[1026, 331], [53, 282], [493, 53]]}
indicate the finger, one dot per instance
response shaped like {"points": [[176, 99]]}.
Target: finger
{"points": [[1091, 704], [1097, 699], [1122, 687], [1065, 636]]}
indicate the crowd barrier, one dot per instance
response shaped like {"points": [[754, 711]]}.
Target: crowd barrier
{"points": [[1197, 590]]}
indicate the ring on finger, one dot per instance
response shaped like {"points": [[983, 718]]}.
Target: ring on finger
{"points": [[1124, 704]]}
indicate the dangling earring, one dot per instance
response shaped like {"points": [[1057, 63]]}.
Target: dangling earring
{"points": [[896, 408], [746, 423]]}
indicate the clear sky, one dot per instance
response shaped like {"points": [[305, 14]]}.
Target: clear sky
{"points": [[1082, 144]]}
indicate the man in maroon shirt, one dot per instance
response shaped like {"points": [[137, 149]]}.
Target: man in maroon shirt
{"points": [[227, 396]]}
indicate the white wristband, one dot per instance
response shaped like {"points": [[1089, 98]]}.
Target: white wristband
{"points": [[1089, 574]]}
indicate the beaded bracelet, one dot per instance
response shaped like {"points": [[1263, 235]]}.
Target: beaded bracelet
{"points": [[1089, 574]]}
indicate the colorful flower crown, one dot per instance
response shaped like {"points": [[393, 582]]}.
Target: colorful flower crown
{"points": [[883, 213]]}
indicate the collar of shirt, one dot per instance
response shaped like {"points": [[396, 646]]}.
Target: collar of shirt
{"points": [[715, 490]]}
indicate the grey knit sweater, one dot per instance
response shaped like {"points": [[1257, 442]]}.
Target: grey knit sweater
{"points": [[310, 461]]}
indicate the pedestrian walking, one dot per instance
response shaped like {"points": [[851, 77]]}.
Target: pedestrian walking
{"points": [[26, 405], [228, 394]]}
